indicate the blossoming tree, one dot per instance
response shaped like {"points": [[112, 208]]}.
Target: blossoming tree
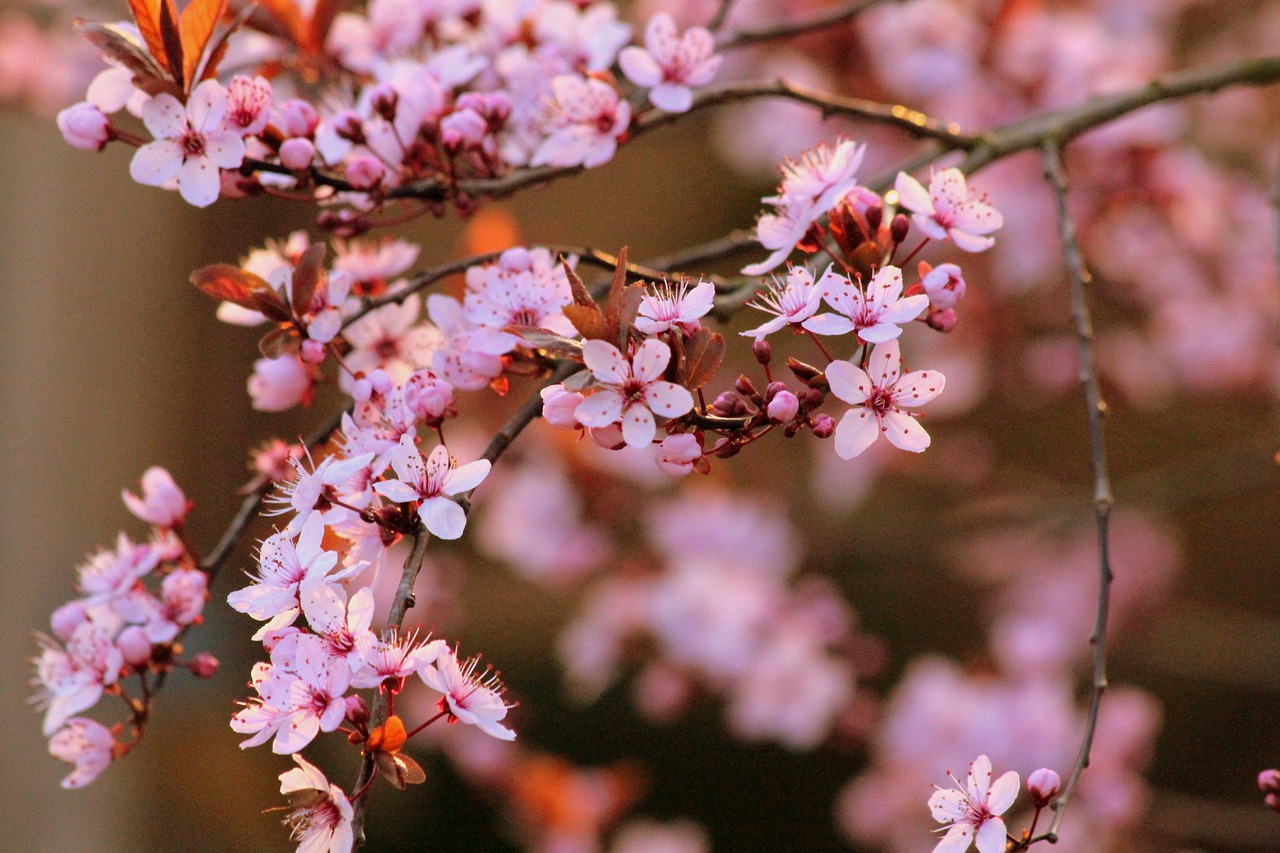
{"points": [[837, 318]]}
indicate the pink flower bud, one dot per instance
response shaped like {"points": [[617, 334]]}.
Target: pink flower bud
{"points": [[823, 426], [357, 710], [762, 350], [162, 503], [677, 453], [610, 437], [744, 386], [204, 665], [134, 645], [361, 390], [783, 407], [729, 405], [297, 153], [67, 618], [1269, 781], [85, 126], [899, 227], [462, 129], [558, 406], [297, 118], [945, 286], [364, 171], [1043, 786], [944, 321], [280, 383], [428, 396], [312, 352]]}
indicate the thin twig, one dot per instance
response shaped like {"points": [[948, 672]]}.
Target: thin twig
{"points": [[235, 528], [722, 12], [826, 18], [1055, 174]]}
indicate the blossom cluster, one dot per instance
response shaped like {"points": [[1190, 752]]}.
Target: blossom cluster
{"points": [[432, 97], [135, 603]]}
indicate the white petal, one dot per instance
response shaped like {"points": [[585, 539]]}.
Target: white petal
{"points": [[992, 836], [1003, 793], [156, 163], [885, 364], [919, 387], [606, 363], [957, 839], [226, 150], [829, 324], [637, 426], [905, 310], [600, 409], [855, 433], [848, 382], [396, 490], [199, 181], [467, 477], [968, 242], [650, 360], [912, 195], [640, 67], [671, 97], [164, 117], [904, 432], [668, 399], [443, 517]]}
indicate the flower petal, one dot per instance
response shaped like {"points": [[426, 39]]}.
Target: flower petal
{"points": [[919, 387], [668, 399], [848, 382], [637, 426], [443, 517], [606, 363], [650, 360], [905, 433], [855, 432]]}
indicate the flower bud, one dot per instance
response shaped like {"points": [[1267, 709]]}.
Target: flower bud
{"points": [[66, 619], [875, 216], [899, 227], [1269, 781], [357, 710], [1043, 786], [762, 350], [381, 381], [204, 665], [744, 387], [728, 404], [783, 407], [297, 153], [823, 426], [559, 405], [162, 503], [944, 321], [361, 390], [312, 352], [677, 453], [945, 285], [810, 398], [771, 390], [364, 171], [610, 437], [85, 126], [297, 117], [134, 645]]}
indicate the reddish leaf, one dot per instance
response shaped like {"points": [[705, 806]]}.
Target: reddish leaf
{"points": [[865, 259], [146, 13], [703, 354], [279, 341], [400, 770], [218, 46], [195, 29], [556, 345], [123, 46], [580, 294], [287, 19], [613, 305], [588, 321], [307, 276], [321, 20], [232, 284], [171, 35], [579, 381], [389, 736], [269, 304]]}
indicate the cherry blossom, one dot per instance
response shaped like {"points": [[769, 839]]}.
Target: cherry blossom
{"points": [[110, 575], [669, 64], [85, 126], [162, 503], [584, 121], [473, 699], [192, 144], [876, 315], [524, 288], [88, 745], [665, 306], [432, 484], [949, 210], [631, 392], [974, 810], [321, 813], [300, 694], [392, 338], [878, 398], [283, 566], [396, 658], [71, 680], [792, 302]]}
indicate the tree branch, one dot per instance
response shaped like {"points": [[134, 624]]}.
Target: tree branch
{"points": [[835, 15], [1056, 175]]}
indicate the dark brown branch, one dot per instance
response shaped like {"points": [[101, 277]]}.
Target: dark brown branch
{"points": [[1055, 174], [235, 528], [829, 17]]}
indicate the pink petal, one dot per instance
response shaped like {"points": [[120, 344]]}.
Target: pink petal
{"points": [[957, 839], [855, 432], [606, 363], [640, 67], [226, 150], [671, 97], [443, 517], [637, 426], [885, 364], [848, 382], [325, 610], [948, 191], [912, 195], [969, 242], [467, 477], [164, 117], [829, 324], [879, 333], [919, 387], [156, 163], [207, 106], [904, 432], [992, 835], [668, 399], [650, 360], [905, 310], [1003, 793], [397, 491], [600, 409], [199, 181]]}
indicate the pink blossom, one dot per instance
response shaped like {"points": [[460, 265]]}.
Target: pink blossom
{"points": [[392, 338], [944, 285], [336, 480], [248, 105], [321, 814], [182, 595], [192, 144], [280, 383], [559, 405], [974, 810], [300, 694], [473, 699], [428, 396], [88, 745], [631, 392], [72, 679], [282, 567], [949, 210], [342, 625], [524, 288], [395, 659], [432, 484], [669, 64], [666, 305], [162, 503], [677, 454], [793, 302], [585, 119], [878, 399], [810, 187], [85, 126], [783, 407], [876, 315], [109, 575]]}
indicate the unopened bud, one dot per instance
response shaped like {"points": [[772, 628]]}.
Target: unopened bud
{"points": [[899, 227], [783, 407], [1269, 781], [312, 352], [811, 398], [875, 215], [204, 665], [728, 404], [66, 619], [134, 645], [357, 710], [944, 321], [744, 386], [364, 171], [823, 426], [297, 153], [771, 390], [1043, 786], [762, 350], [381, 381], [804, 372]]}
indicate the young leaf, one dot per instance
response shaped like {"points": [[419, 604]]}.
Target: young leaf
{"points": [[321, 20], [283, 20], [124, 47], [195, 29], [549, 342], [146, 13], [307, 276], [588, 321], [232, 284], [172, 38], [279, 341], [703, 354], [579, 290], [218, 46]]}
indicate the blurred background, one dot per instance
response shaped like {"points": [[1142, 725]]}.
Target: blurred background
{"points": [[967, 571]]}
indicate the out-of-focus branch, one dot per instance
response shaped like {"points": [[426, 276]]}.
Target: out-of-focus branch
{"points": [[838, 13], [1056, 175]]}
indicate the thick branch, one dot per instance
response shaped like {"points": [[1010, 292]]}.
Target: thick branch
{"points": [[836, 14], [1056, 175]]}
